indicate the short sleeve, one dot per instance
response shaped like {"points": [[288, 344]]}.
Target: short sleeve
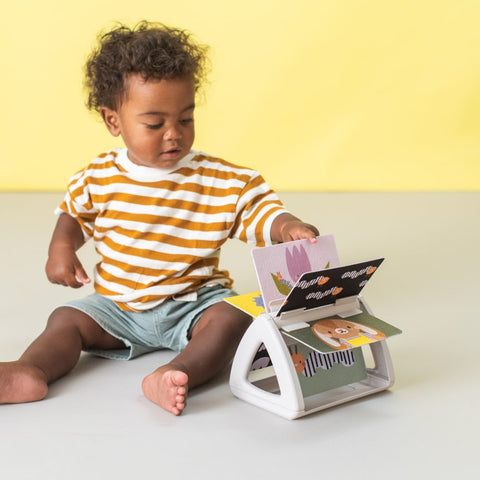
{"points": [[78, 203], [257, 207]]}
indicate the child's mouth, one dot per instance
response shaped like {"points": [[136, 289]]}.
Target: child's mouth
{"points": [[171, 153]]}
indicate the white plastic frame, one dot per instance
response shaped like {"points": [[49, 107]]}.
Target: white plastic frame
{"points": [[289, 402]]}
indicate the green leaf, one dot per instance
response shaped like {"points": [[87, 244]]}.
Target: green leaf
{"points": [[281, 287]]}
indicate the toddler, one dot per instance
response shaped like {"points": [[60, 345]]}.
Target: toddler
{"points": [[158, 213]]}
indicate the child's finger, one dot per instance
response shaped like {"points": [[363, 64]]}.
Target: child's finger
{"points": [[81, 276]]}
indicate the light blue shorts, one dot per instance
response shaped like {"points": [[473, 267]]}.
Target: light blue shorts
{"points": [[166, 326]]}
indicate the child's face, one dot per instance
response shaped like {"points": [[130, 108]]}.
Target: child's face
{"points": [[155, 120]]}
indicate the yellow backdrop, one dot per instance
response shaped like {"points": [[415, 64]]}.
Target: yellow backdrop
{"points": [[352, 95]]}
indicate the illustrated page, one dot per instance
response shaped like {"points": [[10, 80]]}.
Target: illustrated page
{"points": [[319, 288], [280, 266], [339, 334]]}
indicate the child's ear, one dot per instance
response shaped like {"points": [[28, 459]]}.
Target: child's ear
{"points": [[111, 119]]}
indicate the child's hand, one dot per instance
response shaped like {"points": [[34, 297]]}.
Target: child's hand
{"points": [[297, 230], [286, 227], [64, 268]]}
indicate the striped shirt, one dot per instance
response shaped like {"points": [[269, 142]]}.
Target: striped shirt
{"points": [[159, 231]]}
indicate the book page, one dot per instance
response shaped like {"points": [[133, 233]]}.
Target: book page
{"points": [[279, 267]]}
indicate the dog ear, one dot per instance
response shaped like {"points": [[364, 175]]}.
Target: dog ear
{"points": [[364, 328]]}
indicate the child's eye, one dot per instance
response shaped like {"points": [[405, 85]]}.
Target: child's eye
{"points": [[155, 126], [186, 121]]}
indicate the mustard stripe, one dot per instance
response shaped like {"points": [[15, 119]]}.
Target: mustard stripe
{"points": [[161, 220], [160, 238], [135, 270], [136, 200], [151, 254]]}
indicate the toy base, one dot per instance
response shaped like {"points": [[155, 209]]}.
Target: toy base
{"points": [[372, 384], [279, 390]]}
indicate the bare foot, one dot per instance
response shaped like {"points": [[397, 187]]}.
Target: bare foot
{"points": [[168, 388], [21, 382]]}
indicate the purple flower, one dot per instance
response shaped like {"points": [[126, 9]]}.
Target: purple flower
{"points": [[297, 262]]}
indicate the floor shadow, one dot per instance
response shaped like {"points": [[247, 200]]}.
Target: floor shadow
{"points": [[86, 365]]}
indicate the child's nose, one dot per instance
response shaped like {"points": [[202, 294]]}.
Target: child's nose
{"points": [[172, 133]]}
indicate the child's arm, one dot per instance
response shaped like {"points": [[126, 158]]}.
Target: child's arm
{"points": [[286, 227], [63, 266]]}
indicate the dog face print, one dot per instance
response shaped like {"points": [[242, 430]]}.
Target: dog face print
{"points": [[343, 334]]}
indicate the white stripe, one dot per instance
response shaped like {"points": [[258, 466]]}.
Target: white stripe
{"points": [[207, 181], [250, 232], [144, 279], [159, 247], [123, 275], [127, 294], [180, 193], [207, 234], [138, 261], [267, 227], [182, 196], [159, 211]]}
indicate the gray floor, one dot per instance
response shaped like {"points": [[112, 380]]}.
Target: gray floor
{"points": [[95, 423]]}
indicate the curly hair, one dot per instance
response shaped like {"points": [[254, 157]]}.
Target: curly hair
{"points": [[152, 50]]}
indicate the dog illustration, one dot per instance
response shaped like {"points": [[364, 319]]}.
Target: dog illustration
{"points": [[342, 334]]}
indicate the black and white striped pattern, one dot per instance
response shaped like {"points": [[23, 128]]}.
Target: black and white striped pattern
{"points": [[325, 361]]}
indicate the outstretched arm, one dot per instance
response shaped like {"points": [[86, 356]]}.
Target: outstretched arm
{"points": [[286, 227], [63, 266]]}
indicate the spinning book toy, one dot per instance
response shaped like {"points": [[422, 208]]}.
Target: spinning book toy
{"points": [[303, 352]]}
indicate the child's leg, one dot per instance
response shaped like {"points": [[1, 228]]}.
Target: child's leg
{"points": [[53, 354], [213, 344]]}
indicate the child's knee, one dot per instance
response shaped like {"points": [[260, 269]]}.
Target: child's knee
{"points": [[236, 326], [67, 318], [225, 317], [62, 317]]}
